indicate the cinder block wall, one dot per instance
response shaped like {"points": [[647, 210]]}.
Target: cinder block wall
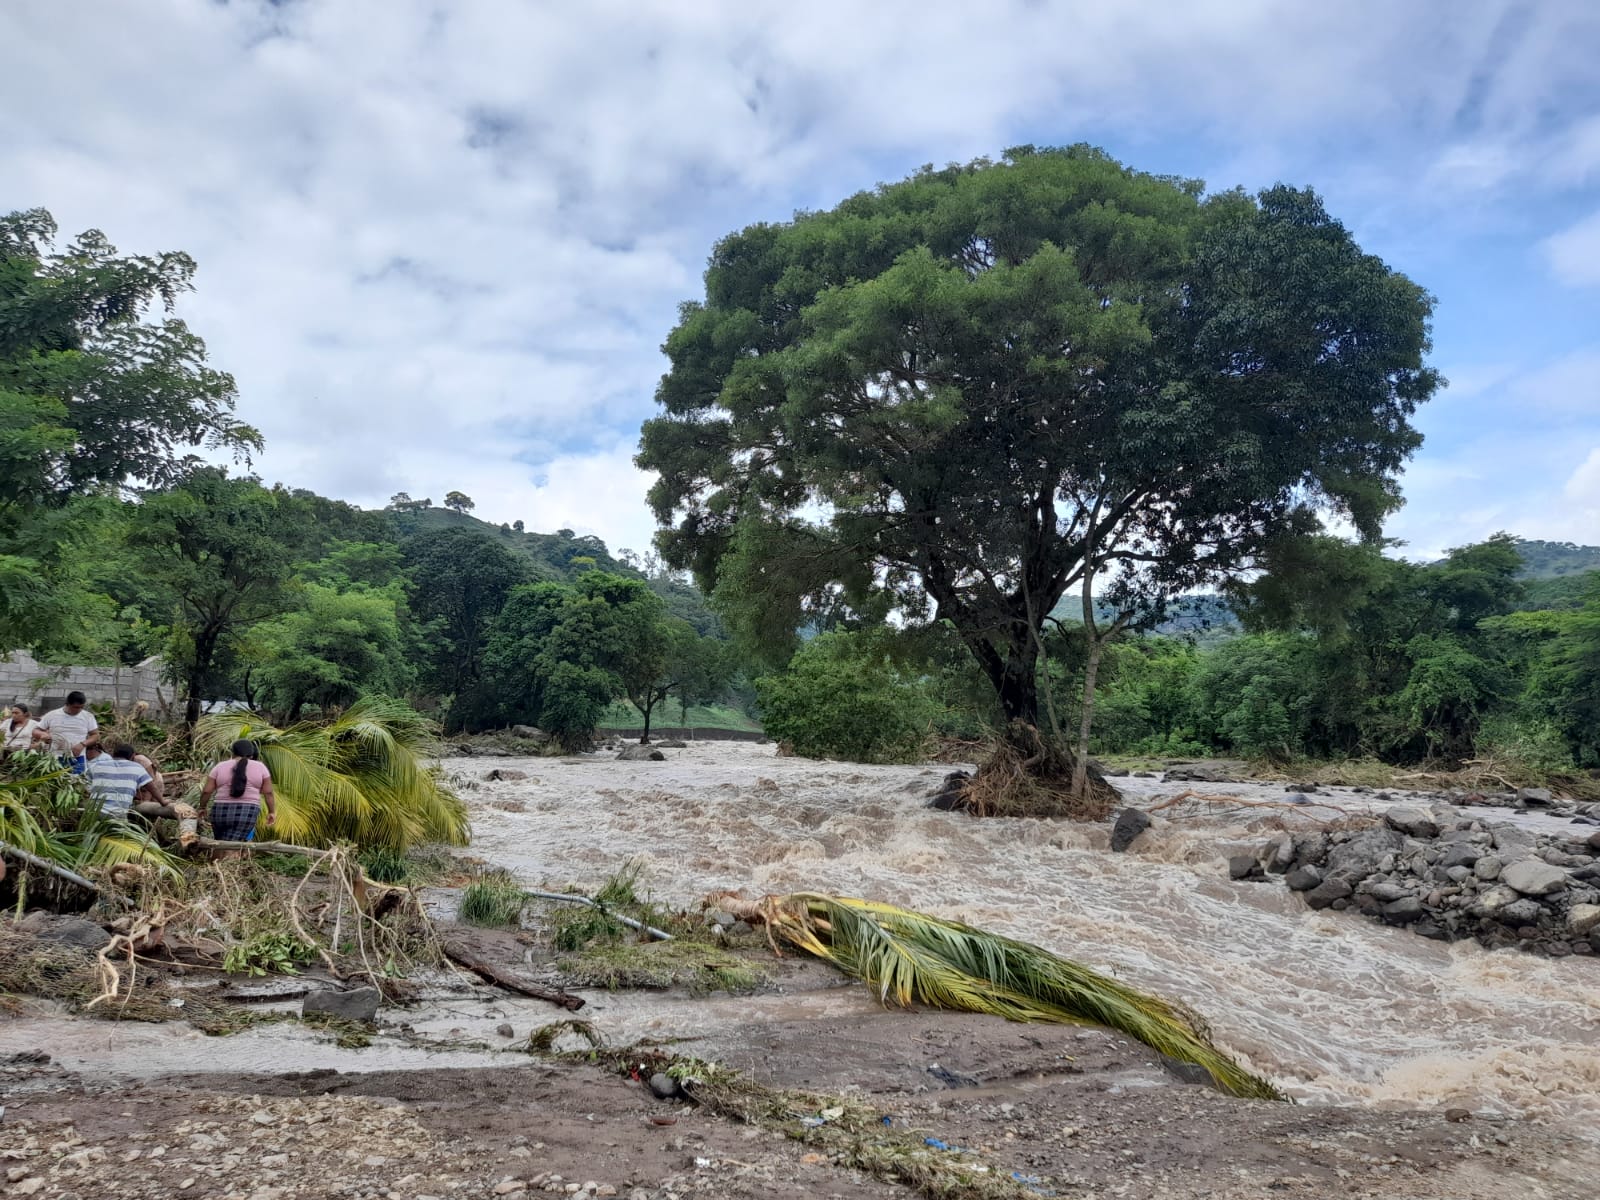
{"points": [[44, 686]]}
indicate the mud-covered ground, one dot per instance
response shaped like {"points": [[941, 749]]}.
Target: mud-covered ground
{"points": [[1064, 1111], [1414, 1059]]}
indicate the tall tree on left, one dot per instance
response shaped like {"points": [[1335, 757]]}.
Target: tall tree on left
{"points": [[93, 395], [222, 550]]}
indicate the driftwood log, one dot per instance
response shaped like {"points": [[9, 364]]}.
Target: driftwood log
{"points": [[458, 951], [44, 864]]}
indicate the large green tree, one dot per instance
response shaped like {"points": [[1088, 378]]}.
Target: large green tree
{"points": [[219, 550], [461, 579], [93, 395], [560, 653], [955, 395]]}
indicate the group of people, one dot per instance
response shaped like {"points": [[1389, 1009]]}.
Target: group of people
{"points": [[125, 782]]}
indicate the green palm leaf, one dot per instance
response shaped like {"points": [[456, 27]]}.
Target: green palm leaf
{"points": [[913, 958], [361, 777]]}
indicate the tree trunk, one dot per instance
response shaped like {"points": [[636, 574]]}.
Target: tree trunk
{"points": [[205, 648], [1080, 765], [649, 704], [1016, 683]]}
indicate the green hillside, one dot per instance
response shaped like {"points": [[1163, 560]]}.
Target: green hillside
{"points": [[561, 555], [1553, 560]]}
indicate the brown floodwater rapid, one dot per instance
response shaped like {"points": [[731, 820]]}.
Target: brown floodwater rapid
{"points": [[1330, 1006]]}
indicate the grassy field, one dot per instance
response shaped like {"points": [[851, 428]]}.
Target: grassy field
{"points": [[623, 715]]}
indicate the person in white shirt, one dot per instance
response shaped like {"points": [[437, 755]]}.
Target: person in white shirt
{"points": [[67, 728], [16, 732]]}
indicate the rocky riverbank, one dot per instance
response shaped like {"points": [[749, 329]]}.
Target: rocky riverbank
{"points": [[1446, 877]]}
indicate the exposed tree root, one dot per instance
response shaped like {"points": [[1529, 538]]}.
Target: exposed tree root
{"points": [[1028, 775]]}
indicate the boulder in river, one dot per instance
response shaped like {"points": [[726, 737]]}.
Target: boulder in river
{"points": [[1130, 823], [645, 753], [1418, 822], [1533, 877], [1303, 878], [1582, 918], [1361, 855], [358, 1004], [1245, 866], [1403, 911], [1326, 893]]}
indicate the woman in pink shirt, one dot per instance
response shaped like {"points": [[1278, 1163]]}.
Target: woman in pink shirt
{"points": [[246, 785]]}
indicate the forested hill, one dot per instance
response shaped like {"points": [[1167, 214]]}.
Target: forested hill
{"points": [[560, 556], [1557, 575], [1552, 560]]}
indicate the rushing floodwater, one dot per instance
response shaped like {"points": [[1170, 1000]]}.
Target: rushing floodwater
{"points": [[1331, 1006]]}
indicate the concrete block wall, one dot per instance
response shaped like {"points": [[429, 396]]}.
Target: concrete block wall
{"points": [[43, 686]]}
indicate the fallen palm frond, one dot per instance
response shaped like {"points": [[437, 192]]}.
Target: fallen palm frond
{"points": [[46, 815], [911, 957], [362, 777]]}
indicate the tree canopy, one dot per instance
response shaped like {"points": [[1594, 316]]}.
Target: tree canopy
{"points": [[954, 395]]}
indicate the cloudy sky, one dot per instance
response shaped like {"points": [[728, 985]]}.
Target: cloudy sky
{"points": [[441, 243]]}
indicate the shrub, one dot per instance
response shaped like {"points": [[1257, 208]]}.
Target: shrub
{"points": [[494, 899], [841, 697]]}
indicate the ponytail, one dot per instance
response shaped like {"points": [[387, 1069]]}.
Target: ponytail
{"points": [[243, 751]]}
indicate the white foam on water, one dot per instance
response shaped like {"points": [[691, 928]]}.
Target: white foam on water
{"points": [[1331, 1006]]}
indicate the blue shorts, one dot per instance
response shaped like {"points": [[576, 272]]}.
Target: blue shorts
{"points": [[76, 764]]}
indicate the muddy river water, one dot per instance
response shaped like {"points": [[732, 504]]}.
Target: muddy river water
{"points": [[1333, 1007]]}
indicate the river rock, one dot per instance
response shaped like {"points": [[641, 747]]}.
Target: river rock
{"points": [[641, 754], [531, 732], [1303, 878], [1402, 912], [1458, 874], [1533, 877], [1581, 918], [1418, 822], [1539, 796], [663, 1086], [1311, 849], [673, 744], [358, 1004], [1278, 854], [1244, 866], [1487, 868], [1361, 855], [1520, 912], [1492, 900], [507, 774], [1512, 841], [1459, 854], [1386, 891], [1328, 892], [1594, 841], [1130, 823]]}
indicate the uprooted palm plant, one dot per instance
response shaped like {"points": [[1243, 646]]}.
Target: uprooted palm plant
{"points": [[911, 957], [47, 812], [361, 777]]}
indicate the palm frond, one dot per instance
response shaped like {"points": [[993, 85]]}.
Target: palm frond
{"points": [[361, 777], [914, 958]]}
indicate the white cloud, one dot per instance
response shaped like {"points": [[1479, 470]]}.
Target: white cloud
{"points": [[1578, 517], [1573, 255], [440, 244]]}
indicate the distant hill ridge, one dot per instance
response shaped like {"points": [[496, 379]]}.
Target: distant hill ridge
{"points": [[1548, 560]]}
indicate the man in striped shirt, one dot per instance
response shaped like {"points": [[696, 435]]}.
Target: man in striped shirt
{"points": [[115, 780]]}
